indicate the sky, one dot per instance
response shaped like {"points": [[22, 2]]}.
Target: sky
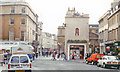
{"points": [[52, 12]]}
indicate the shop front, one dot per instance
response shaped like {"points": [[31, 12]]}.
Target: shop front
{"points": [[78, 49], [113, 48]]}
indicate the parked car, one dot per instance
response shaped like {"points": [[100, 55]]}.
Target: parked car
{"points": [[109, 61], [19, 62], [94, 58]]}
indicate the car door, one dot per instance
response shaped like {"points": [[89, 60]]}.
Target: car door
{"points": [[104, 60], [100, 61]]}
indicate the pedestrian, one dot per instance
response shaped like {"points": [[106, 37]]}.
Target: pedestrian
{"points": [[55, 52], [39, 53], [36, 54], [64, 57], [42, 53], [54, 56], [104, 53], [118, 55], [73, 56], [58, 56], [33, 55]]}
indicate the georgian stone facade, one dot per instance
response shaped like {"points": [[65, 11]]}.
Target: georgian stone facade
{"points": [[18, 21]]}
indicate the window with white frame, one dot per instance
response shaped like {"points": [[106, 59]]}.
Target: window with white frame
{"points": [[12, 9], [23, 9], [23, 21], [11, 21], [11, 35], [22, 35]]}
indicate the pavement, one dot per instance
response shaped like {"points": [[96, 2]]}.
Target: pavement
{"points": [[61, 59], [3, 67]]}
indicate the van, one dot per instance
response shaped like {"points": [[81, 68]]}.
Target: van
{"points": [[94, 58], [19, 62]]}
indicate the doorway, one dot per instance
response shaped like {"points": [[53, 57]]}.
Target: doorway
{"points": [[78, 51]]}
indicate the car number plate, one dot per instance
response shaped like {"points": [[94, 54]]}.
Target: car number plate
{"points": [[114, 62], [19, 70]]}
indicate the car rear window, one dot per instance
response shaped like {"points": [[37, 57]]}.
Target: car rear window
{"points": [[23, 59], [15, 59], [112, 58]]}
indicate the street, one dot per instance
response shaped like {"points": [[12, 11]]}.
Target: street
{"points": [[44, 63]]}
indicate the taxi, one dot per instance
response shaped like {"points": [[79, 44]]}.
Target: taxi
{"points": [[19, 62], [109, 61]]}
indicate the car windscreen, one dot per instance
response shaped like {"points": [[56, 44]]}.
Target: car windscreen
{"points": [[23, 59], [15, 59]]}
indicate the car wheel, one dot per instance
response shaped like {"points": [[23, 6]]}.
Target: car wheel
{"points": [[104, 66], [98, 64], [118, 67], [86, 62], [92, 63]]}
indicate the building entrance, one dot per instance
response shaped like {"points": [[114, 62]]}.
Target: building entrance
{"points": [[77, 50]]}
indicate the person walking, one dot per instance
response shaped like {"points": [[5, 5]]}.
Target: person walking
{"points": [[54, 56], [33, 55], [73, 56], [58, 56], [118, 55], [36, 54], [64, 57], [39, 53]]}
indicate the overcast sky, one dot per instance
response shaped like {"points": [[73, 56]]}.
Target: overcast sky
{"points": [[52, 12]]}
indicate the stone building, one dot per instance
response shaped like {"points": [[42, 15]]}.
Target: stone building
{"points": [[93, 38], [76, 34], [61, 38], [110, 29], [18, 21], [103, 31], [49, 41], [114, 29]]}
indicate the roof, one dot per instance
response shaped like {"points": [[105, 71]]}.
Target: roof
{"points": [[19, 54]]}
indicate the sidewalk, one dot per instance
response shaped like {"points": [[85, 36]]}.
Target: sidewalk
{"points": [[59, 59], [3, 67], [80, 61], [48, 58]]}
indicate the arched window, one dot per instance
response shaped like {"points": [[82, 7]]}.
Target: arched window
{"points": [[77, 31]]}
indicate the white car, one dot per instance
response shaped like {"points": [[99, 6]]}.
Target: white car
{"points": [[19, 62], [109, 61]]}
